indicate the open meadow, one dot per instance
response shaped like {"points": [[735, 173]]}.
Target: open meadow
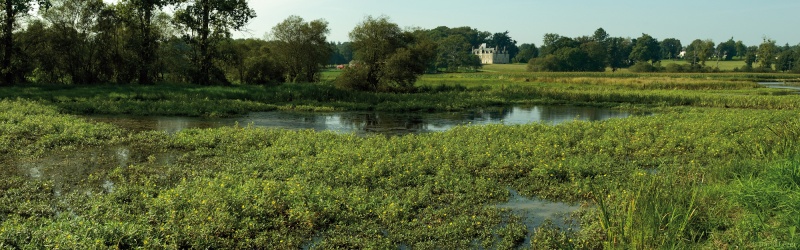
{"points": [[714, 166]]}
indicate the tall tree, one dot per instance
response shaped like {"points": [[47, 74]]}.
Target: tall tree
{"points": [[619, 50], [787, 60], [142, 19], [474, 36], [502, 41], [646, 49], [527, 51], [12, 9], [75, 40], [454, 53], [741, 49], [302, 47], [600, 35], [726, 50], [699, 51], [207, 22], [750, 56], [388, 58], [671, 48], [766, 53]]}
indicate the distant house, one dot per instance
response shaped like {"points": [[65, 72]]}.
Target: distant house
{"points": [[491, 55]]}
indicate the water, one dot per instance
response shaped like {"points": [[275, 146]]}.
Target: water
{"points": [[363, 123], [68, 169], [780, 85], [534, 212]]}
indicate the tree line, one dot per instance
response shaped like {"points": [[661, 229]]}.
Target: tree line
{"points": [[644, 54], [189, 41]]}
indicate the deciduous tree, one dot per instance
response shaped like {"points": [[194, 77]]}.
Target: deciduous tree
{"points": [[388, 58], [12, 9], [301, 47], [646, 49], [699, 51], [142, 15], [206, 22], [766, 53], [670, 48], [527, 51]]}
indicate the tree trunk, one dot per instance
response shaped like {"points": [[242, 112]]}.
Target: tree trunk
{"points": [[147, 53], [205, 58], [8, 44]]}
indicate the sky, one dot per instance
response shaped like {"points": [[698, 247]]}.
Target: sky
{"points": [[528, 20]]}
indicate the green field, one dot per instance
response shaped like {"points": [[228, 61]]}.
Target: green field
{"points": [[722, 65], [715, 167]]}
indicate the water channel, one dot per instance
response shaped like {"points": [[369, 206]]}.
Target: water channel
{"points": [[367, 122], [782, 85]]}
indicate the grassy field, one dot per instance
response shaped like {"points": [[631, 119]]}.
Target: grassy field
{"points": [[722, 65], [518, 67], [715, 168]]}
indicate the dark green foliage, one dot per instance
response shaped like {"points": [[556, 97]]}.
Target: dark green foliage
{"points": [[726, 50], [207, 22], [619, 50], [387, 58], [787, 61], [301, 48], [646, 48], [766, 54], [699, 51], [527, 51], [670, 48], [570, 55], [503, 41], [11, 71], [643, 67], [455, 54]]}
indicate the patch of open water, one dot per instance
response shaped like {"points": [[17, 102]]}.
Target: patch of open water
{"points": [[365, 123]]}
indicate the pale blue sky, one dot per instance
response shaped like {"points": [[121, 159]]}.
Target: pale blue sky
{"points": [[527, 21]]}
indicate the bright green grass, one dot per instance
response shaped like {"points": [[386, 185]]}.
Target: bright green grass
{"points": [[722, 65], [516, 67]]}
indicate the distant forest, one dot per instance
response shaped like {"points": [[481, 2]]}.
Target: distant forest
{"points": [[140, 42]]}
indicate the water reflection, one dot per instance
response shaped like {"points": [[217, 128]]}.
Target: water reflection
{"points": [[534, 212], [373, 122], [66, 169], [780, 85]]}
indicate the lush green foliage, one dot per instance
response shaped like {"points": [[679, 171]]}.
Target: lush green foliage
{"points": [[245, 187], [715, 167], [388, 58], [441, 92], [301, 48]]}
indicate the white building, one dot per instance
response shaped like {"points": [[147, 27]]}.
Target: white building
{"points": [[491, 55]]}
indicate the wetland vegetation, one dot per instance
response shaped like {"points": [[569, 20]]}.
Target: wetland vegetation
{"points": [[707, 160], [715, 166]]}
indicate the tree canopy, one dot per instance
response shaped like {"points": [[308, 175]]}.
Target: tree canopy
{"points": [[387, 58], [301, 47]]}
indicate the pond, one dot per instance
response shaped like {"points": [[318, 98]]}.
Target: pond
{"points": [[370, 122]]}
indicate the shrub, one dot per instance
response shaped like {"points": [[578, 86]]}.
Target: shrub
{"points": [[640, 67]]}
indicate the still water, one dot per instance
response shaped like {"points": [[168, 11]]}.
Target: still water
{"points": [[364, 123], [781, 85]]}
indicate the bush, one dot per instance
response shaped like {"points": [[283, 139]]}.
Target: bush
{"points": [[640, 67], [354, 78]]}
